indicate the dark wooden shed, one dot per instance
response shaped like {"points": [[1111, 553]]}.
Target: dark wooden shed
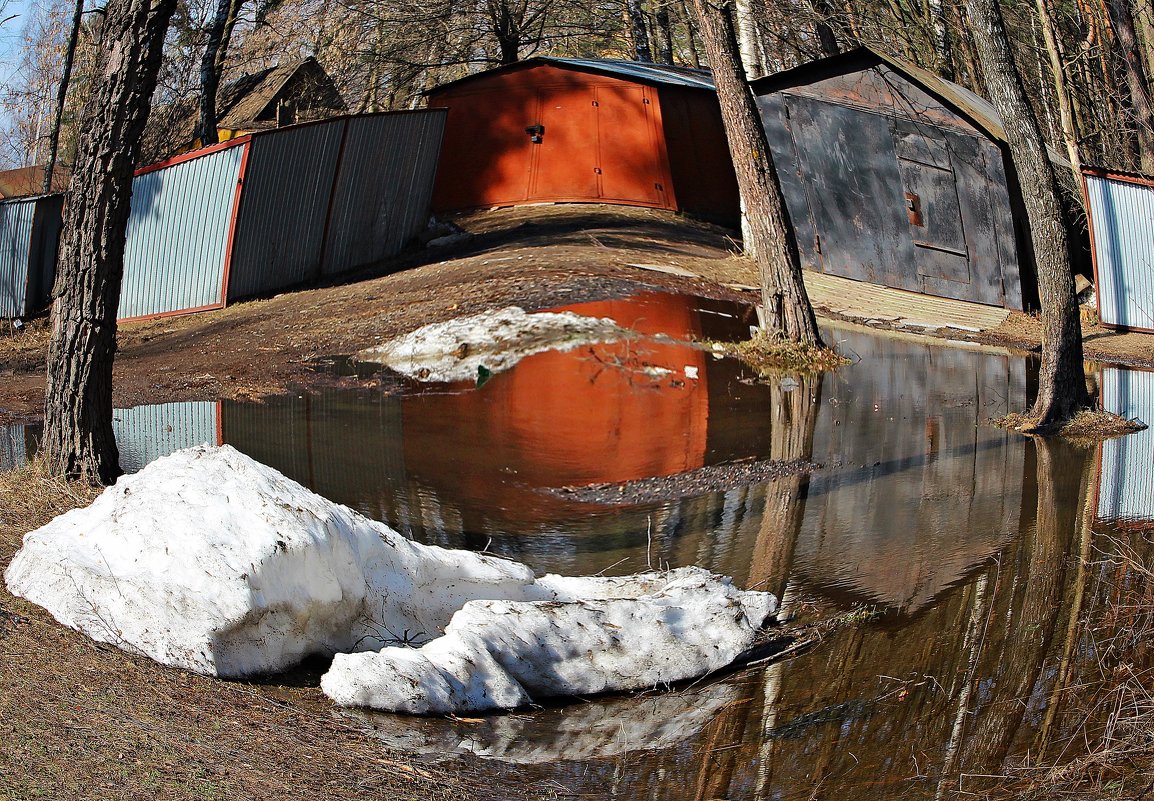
{"points": [[576, 130], [895, 176]]}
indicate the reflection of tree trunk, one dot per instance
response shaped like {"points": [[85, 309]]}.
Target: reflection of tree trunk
{"points": [[1033, 614], [793, 416], [1086, 539], [720, 759]]}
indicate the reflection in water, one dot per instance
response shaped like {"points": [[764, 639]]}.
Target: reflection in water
{"points": [[1127, 491], [976, 544]]}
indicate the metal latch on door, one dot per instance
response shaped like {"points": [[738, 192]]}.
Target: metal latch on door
{"points": [[536, 133]]}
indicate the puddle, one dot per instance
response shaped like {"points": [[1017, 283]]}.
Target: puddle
{"points": [[965, 537]]}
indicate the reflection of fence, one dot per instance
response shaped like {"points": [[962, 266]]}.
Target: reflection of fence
{"points": [[1121, 210], [146, 433], [29, 230], [14, 447], [1126, 487]]}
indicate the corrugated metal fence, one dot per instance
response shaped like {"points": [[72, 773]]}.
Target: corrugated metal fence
{"points": [[1126, 487], [314, 200], [252, 216], [29, 234], [1121, 210]]}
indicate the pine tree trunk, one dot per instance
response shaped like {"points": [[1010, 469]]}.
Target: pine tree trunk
{"points": [[1062, 380], [664, 35], [210, 76], [826, 38], [787, 308], [78, 439]]}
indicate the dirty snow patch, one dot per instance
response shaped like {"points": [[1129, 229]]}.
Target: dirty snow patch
{"points": [[210, 561], [457, 350]]}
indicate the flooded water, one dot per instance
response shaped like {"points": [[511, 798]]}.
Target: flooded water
{"points": [[977, 550]]}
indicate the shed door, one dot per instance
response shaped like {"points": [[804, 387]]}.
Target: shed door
{"points": [[565, 160], [855, 192], [627, 146], [933, 208]]}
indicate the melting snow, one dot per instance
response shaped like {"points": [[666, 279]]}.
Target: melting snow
{"points": [[210, 561], [494, 340]]}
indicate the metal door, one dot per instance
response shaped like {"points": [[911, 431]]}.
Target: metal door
{"points": [[855, 193], [564, 150], [934, 209], [627, 149]]}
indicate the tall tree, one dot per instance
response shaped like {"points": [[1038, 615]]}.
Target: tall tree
{"points": [[1062, 380], [1141, 103], [78, 438], [212, 66], [788, 312], [62, 96]]}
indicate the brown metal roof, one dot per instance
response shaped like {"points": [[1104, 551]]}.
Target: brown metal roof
{"points": [[639, 72]]}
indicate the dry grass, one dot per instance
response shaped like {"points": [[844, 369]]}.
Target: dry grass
{"points": [[79, 720], [1087, 427], [772, 355]]}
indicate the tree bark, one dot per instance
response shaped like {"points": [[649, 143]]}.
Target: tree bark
{"points": [[1062, 380], [210, 74], [826, 38], [788, 312], [61, 96], [943, 50], [78, 438], [638, 32], [1142, 106], [1050, 35], [664, 35], [747, 39]]}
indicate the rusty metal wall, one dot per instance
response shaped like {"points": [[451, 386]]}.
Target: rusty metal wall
{"points": [[1126, 484], [899, 198], [280, 227], [384, 186], [1121, 213], [178, 229], [16, 232]]}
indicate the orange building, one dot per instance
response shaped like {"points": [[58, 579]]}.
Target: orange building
{"points": [[584, 130]]}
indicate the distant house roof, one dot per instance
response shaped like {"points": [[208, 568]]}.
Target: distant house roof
{"points": [[249, 103], [658, 74], [25, 181]]}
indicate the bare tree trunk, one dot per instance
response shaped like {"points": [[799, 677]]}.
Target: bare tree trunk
{"points": [[210, 63], [78, 438], [747, 39], [822, 13], [943, 50], [1062, 380], [788, 311], [638, 31], [691, 37], [664, 35], [61, 96], [1050, 35], [1122, 22]]}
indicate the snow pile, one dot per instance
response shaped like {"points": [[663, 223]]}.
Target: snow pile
{"points": [[210, 561], [494, 340], [596, 637]]}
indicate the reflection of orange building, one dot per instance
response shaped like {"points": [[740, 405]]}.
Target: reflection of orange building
{"points": [[601, 413]]}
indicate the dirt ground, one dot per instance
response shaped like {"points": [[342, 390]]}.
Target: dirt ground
{"points": [[536, 257]]}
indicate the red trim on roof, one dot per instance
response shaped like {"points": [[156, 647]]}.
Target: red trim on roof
{"points": [[1119, 175], [193, 154]]}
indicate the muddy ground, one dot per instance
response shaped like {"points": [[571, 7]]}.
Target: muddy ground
{"points": [[534, 257]]}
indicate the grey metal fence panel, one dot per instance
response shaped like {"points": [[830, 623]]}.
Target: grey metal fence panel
{"points": [[384, 186], [1122, 219], [1126, 486], [178, 229], [146, 433], [281, 221], [16, 223], [46, 225]]}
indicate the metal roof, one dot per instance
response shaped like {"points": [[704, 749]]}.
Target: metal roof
{"points": [[658, 74]]}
